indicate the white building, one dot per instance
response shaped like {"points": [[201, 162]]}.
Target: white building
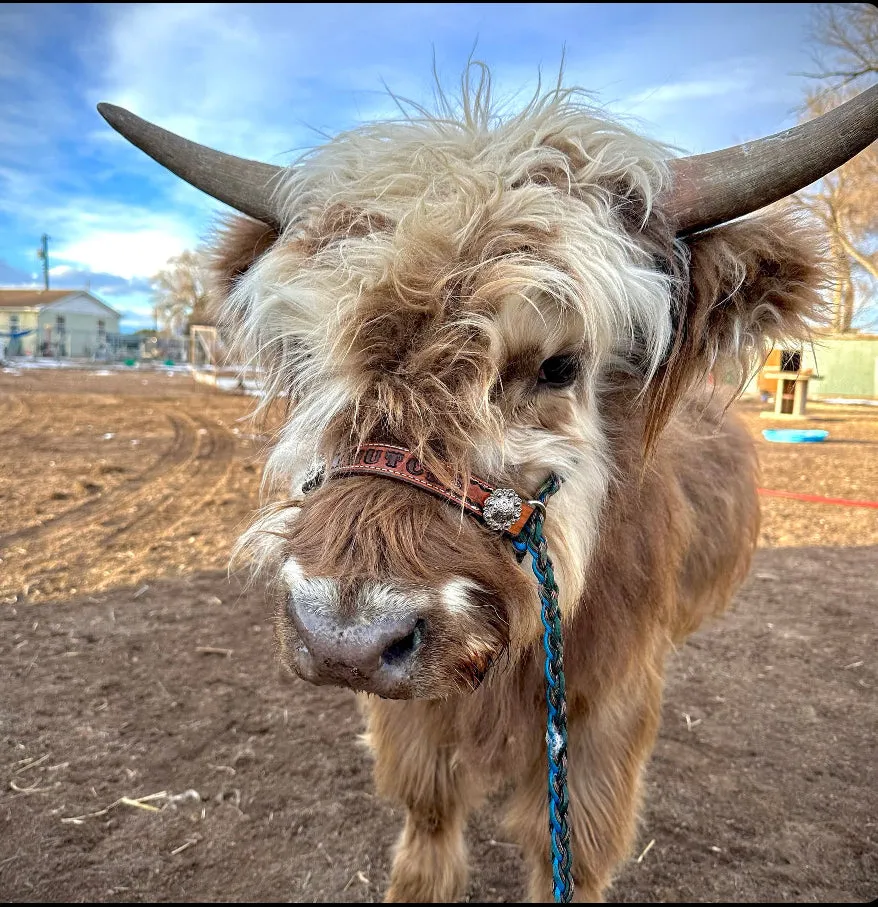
{"points": [[69, 323]]}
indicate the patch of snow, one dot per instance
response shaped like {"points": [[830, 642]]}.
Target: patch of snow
{"points": [[46, 363], [250, 387]]}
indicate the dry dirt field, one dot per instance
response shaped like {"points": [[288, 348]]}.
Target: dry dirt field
{"points": [[131, 665]]}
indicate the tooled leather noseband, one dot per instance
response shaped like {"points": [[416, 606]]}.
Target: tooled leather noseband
{"points": [[501, 509]]}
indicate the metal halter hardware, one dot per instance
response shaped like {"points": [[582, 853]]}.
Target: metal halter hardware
{"points": [[313, 477], [501, 509]]}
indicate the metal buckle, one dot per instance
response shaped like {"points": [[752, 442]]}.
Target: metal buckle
{"points": [[313, 477], [539, 505]]}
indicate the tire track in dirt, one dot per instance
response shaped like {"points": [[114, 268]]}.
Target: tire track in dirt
{"points": [[158, 495], [124, 536], [160, 519], [222, 454], [176, 456], [85, 542], [213, 454]]}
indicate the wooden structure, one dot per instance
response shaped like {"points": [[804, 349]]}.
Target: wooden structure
{"points": [[789, 383], [203, 353]]}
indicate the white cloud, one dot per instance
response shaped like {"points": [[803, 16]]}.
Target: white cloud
{"points": [[122, 247], [96, 234], [257, 80], [677, 92], [218, 75]]}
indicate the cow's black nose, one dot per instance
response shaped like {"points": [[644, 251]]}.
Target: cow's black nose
{"points": [[377, 656]]}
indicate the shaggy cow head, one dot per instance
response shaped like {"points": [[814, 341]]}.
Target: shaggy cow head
{"points": [[500, 298]]}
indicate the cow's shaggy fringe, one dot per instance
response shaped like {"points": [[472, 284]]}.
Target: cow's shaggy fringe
{"points": [[414, 219]]}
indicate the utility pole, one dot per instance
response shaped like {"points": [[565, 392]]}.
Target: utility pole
{"points": [[43, 254]]}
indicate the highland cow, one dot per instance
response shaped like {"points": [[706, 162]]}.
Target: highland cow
{"points": [[506, 298]]}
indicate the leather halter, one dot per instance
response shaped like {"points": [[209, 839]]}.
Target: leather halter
{"points": [[501, 509]]}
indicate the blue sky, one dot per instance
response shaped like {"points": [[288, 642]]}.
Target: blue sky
{"points": [[264, 81]]}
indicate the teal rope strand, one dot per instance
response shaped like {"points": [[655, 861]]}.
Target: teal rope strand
{"points": [[532, 541]]}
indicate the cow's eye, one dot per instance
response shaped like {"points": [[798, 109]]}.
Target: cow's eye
{"points": [[558, 371]]}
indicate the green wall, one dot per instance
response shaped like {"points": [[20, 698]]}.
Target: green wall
{"points": [[847, 366]]}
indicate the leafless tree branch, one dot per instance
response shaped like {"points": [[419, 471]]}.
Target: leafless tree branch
{"points": [[845, 202], [179, 293]]}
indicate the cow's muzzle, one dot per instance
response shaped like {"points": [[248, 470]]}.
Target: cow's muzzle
{"points": [[379, 657]]}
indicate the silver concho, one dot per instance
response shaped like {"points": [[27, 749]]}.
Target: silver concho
{"points": [[502, 508]]}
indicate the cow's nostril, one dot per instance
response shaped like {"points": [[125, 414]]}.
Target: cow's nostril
{"points": [[403, 649]]}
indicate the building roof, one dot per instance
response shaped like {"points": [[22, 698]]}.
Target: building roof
{"points": [[22, 298], [19, 298]]}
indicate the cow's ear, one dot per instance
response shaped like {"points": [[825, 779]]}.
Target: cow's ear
{"points": [[746, 286], [239, 242]]}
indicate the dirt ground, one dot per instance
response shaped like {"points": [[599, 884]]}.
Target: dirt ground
{"points": [[151, 750]]}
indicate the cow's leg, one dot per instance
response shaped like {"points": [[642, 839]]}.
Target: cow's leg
{"points": [[608, 749], [416, 764]]}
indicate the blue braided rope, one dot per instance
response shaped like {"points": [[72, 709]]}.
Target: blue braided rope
{"points": [[531, 540]]}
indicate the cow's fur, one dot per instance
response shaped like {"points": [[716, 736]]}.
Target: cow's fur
{"points": [[424, 271]]}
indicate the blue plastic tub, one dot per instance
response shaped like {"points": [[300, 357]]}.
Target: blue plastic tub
{"points": [[794, 435]]}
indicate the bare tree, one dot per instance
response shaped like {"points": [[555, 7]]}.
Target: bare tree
{"points": [[846, 39], [846, 204], [179, 294], [846, 201]]}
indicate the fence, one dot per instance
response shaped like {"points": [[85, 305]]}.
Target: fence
{"points": [[204, 352], [90, 347]]}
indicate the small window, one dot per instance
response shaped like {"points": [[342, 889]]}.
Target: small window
{"points": [[13, 323], [60, 324], [102, 331]]}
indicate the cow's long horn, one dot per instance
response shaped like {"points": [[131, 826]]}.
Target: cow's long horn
{"points": [[245, 185], [710, 189]]}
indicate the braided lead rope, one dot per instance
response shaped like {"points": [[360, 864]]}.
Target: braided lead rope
{"points": [[531, 540]]}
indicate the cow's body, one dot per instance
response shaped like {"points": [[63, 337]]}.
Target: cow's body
{"points": [[509, 298]]}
